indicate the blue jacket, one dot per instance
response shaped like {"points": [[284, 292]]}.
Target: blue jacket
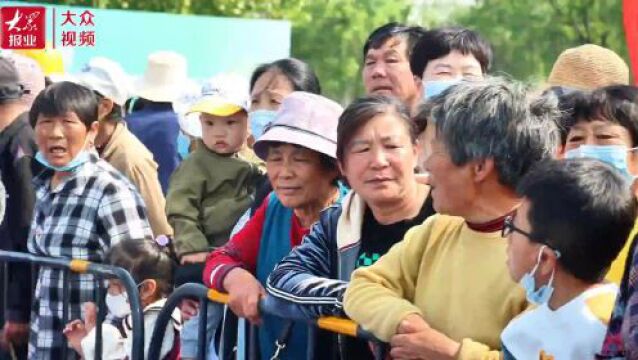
{"points": [[319, 269], [157, 127]]}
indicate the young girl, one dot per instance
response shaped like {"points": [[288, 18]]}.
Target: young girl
{"points": [[151, 269]]}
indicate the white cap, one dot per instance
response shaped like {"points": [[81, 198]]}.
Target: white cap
{"points": [[166, 72], [107, 78], [223, 95]]}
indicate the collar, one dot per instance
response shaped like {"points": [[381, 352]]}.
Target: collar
{"points": [[490, 226]]}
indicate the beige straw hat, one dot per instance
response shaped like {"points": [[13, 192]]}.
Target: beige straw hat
{"points": [[587, 67]]}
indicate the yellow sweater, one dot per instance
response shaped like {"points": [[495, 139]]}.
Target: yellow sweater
{"points": [[454, 277], [617, 268]]}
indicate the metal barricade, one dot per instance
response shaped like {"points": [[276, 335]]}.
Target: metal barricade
{"points": [[336, 325], [104, 272]]}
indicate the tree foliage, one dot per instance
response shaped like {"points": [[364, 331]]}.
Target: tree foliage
{"points": [[528, 35], [328, 34]]}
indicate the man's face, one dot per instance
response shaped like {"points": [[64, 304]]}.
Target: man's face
{"points": [[386, 71]]}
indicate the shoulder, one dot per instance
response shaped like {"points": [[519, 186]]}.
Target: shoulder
{"points": [[132, 151], [438, 225], [600, 300]]}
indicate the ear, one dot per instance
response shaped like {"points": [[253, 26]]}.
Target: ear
{"points": [[147, 291], [632, 162], [104, 108], [560, 152], [341, 167], [92, 132], [482, 169], [549, 262]]}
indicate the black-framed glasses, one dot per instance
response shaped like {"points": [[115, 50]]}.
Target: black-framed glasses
{"points": [[509, 228]]}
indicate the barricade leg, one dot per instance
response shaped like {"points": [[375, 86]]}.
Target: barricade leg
{"points": [[253, 344], [202, 337]]}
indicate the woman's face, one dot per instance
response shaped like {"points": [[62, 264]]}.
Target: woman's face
{"points": [[297, 175], [602, 132], [597, 132], [61, 138], [380, 159], [269, 91]]}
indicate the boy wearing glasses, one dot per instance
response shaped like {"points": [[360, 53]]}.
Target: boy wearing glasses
{"points": [[574, 219]]}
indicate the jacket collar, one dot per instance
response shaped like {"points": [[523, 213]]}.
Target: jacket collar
{"points": [[350, 222]]}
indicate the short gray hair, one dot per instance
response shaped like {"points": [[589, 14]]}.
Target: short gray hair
{"points": [[497, 119]]}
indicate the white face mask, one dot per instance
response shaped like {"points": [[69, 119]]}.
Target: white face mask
{"points": [[118, 305]]}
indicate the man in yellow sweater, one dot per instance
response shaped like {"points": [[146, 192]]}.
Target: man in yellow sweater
{"points": [[444, 292]]}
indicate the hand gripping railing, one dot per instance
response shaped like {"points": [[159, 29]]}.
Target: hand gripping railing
{"points": [[330, 323], [102, 271]]}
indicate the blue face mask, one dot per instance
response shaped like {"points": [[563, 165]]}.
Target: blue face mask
{"points": [[544, 293], [72, 166], [258, 120], [614, 155], [433, 88]]}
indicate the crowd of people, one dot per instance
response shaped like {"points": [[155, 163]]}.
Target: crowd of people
{"points": [[451, 213]]}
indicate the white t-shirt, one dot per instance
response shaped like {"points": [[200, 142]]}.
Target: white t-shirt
{"points": [[576, 330]]}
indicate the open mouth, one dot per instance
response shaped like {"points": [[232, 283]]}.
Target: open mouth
{"points": [[57, 150], [382, 89]]}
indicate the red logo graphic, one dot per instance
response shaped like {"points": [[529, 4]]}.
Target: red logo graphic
{"points": [[23, 27]]}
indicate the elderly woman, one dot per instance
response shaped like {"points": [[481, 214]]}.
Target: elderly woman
{"points": [[83, 206], [377, 152], [603, 125], [444, 291], [299, 149]]}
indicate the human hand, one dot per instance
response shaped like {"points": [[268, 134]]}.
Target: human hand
{"points": [[244, 294], [415, 339], [75, 332], [194, 258], [189, 309]]}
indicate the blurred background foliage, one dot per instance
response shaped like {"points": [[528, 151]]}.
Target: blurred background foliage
{"points": [[527, 35]]}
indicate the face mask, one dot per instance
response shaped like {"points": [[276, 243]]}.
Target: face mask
{"points": [[118, 305], [614, 155], [544, 293], [433, 88], [258, 120], [72, 166]]}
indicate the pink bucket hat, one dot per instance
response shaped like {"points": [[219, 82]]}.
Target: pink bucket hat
{"points": [[306, 120]]}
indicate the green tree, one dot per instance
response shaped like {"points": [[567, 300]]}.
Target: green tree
{"points": [[328, 34], [528, 35]]}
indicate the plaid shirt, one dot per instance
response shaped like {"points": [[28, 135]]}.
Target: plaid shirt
{"points": [[81, 218]]}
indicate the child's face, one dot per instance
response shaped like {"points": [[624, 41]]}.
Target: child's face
{"points": [[61, 138], [146, 290], [116, 287], [522, 253], [224, 134]]}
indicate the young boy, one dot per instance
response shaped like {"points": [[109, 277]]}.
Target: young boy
{"points": [[575, 217], [212, 188]]}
